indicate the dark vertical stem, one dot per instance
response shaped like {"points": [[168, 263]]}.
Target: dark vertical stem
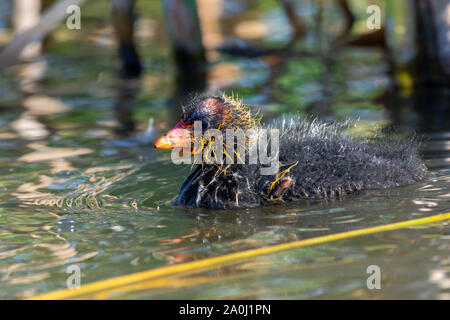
{"points": [[349, 17], [123, 21], [183, 29], [295, 22], [184, 32], [130, 70], [432, 68], [421, 60]]}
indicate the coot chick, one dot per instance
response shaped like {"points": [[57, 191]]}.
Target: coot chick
{"points": [[316, 160]]}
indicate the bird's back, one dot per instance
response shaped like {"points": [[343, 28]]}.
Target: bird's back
{"points": [[332, 163]]}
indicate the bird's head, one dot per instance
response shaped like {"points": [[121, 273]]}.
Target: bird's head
{"points": [[209, 112]]}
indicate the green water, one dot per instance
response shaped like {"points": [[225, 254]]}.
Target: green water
{"points": [[74, 192]]}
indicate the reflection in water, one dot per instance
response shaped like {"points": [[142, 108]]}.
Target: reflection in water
{"points": [[125, 101], [426, 114]]}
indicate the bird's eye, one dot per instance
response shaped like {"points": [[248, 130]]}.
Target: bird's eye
{"points": [[196, 118]]}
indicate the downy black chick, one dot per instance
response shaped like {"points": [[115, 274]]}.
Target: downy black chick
{"points": [[316, 160]]}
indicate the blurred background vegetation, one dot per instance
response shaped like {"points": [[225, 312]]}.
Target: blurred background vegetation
{"points": [[303, 56]]}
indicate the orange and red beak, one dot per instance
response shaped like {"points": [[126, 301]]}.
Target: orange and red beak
{"points": [[177, 137]]}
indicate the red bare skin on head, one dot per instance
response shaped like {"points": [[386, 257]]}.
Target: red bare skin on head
{"points": [[212, 106]]}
